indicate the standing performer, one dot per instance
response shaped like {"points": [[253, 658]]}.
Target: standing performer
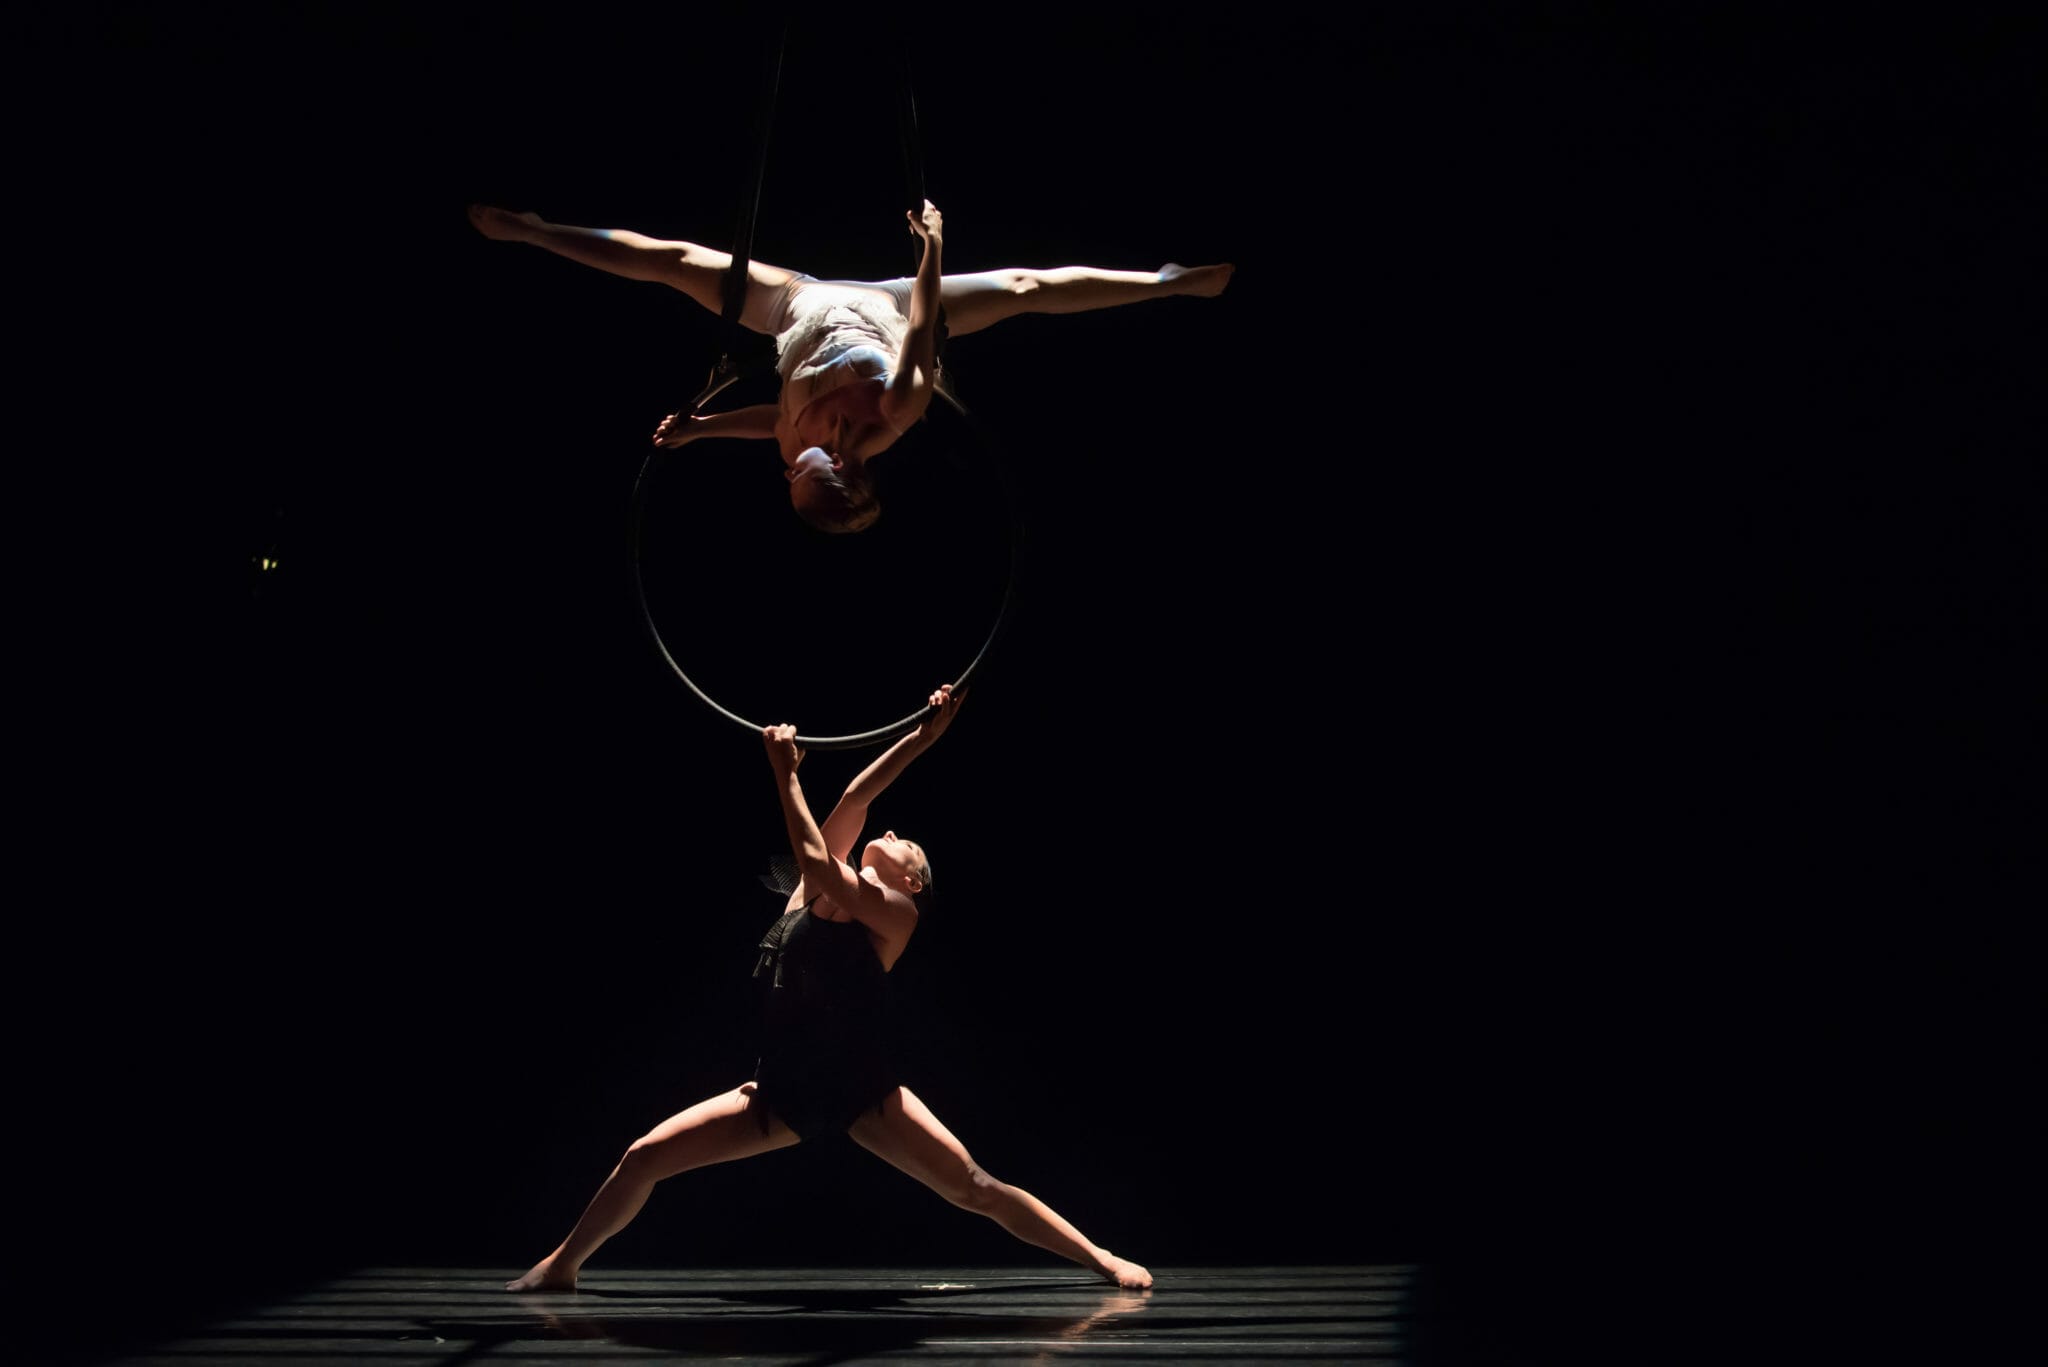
{"points": [[824, 1068], [857, 358]]}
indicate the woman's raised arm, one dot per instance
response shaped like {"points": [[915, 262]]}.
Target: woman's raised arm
{"points": [[842, 828], [910, 387], [822, 874], [888, 915]]}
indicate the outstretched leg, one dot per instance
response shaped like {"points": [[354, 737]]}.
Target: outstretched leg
{"points": [[976, 301], [715, 1131], [908, 1135], [697, 271]]}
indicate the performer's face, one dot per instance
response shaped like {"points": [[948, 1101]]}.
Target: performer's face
{"points": [[893, 858], [811, 463]]}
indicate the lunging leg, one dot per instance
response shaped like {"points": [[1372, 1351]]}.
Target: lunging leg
{"points": [[905, 1133], [717, 1130]]}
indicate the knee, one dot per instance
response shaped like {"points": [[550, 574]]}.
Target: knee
{"points": [[1021, 283], [647, 1159], [972, 1189]]}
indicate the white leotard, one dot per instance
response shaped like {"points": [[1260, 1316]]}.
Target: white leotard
{"points": [[834, 332]]}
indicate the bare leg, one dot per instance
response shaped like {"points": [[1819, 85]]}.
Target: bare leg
{"points": [[697, 271], [908, 1135], [976, 301], [715, 1131]]}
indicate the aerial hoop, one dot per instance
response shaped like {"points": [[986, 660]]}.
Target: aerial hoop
{"points": [[881, 734]]}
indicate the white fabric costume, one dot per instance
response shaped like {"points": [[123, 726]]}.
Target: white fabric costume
{"points": [[829, 333]]}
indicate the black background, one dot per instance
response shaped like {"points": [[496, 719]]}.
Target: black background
{"points": [[1507, 747]]}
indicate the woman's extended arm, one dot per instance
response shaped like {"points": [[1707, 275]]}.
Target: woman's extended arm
{"points": [[889, 916], [842, 828], [910, 388], [821, 872], [680, 429]]}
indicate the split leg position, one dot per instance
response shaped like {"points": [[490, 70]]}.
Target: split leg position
{"points": [[903, 1131], [972, 302]]}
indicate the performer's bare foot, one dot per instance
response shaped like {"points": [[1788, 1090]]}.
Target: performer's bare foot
{"points": [[501, 225], [543, 1277], [1127, 1274], [1204, 282]]}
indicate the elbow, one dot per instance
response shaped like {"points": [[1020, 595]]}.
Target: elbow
{"points": [[900, 412], [819, 869]]}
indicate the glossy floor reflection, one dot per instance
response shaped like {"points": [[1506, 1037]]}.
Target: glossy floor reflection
{"points": [[812, 1316]]}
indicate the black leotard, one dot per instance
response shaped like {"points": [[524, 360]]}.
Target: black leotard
{"points": [[824, 1056]]}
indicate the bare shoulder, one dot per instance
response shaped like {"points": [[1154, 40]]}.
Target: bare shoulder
{"points": [[890, 918]]}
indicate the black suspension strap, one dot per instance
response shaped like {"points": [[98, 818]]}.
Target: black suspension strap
{"points": [[912, 147], [729, 368]]}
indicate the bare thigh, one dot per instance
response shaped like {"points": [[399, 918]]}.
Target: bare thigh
{"points": [[715, 1130], [904, 1133], [977, 300], [985, 298], [700, 273]]}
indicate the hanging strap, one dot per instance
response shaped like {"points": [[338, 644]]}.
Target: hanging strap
{"points": [[728, 368], [913, 180]]}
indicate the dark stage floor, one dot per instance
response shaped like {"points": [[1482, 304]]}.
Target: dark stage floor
{"points": [[817, 1316]]}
